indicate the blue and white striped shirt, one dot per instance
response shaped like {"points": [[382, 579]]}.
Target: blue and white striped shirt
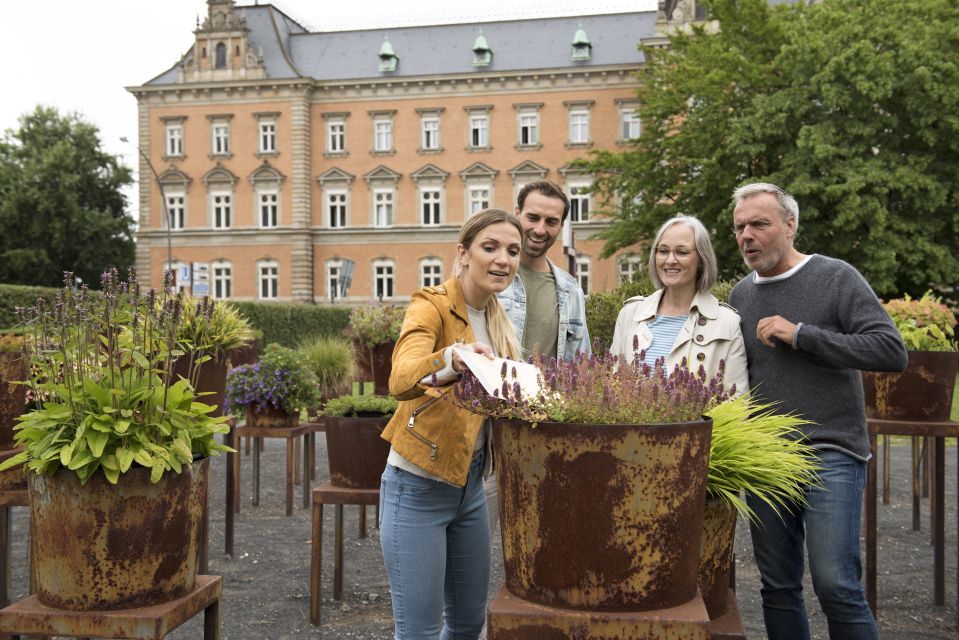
{"points": [[665, 329]]}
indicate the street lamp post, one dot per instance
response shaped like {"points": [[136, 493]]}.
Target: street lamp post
{"points": [[166, 209]]}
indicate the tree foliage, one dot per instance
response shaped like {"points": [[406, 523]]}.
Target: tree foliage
{"points": [[61, 208], [851, 105]]}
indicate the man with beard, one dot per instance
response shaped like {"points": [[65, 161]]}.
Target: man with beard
{"points": [[545, 304], [810, 324]]}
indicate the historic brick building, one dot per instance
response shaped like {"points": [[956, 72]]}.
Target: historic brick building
{"points": [[286, 154]]}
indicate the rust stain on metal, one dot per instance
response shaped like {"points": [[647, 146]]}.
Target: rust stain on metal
{"points": [[922, 392], [102, 546], [602, 518], [716, 557]]}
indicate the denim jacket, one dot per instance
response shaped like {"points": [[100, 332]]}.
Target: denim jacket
{"points": [[573, 333]]}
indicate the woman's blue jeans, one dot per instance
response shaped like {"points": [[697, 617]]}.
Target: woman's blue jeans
{"points": [[436, 545], [829, 525]]}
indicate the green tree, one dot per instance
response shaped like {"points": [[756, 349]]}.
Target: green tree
{"points": [[61, 208], [851, 105]]}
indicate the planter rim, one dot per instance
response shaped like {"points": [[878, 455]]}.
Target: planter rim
{"points": [[603, 425]]}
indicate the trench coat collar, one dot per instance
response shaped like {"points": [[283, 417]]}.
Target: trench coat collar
{"points": [[705, 303]]}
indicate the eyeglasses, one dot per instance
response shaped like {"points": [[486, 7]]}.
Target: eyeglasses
{"points": [[681, 253]]}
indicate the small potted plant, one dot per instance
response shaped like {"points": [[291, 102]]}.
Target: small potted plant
{"points": [[119, 450], [14, 368], [273, 391], [375, 328], [333, 361], [924, 390], [211, 330], [357, 454]]}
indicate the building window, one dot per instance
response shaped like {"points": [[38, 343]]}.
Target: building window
{"points": [[267, 136], [629, 267], [222, 280], [383, 279], [528, 128], [222, 204], [336, 208], [176, 209], [430, 206], [333, 270], [220, 52], [629, 124], [269, 280], [383, 134], [479, 130], [431, 133], [478, 199], [579, 203], [579, 127], [221, 138], [431, 272], [174, 139], [383, 208], [268, 208], [336, 135], [582, 273]]}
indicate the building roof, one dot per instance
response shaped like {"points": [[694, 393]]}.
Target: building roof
{"points": [[291, 51]]}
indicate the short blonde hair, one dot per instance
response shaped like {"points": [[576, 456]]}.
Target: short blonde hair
{"points": [[708, 269]]}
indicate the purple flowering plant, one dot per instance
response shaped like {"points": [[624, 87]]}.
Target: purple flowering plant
{"points": [[281, 380], [600, 389]]}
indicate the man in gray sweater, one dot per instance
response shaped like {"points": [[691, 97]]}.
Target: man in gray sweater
{"points": [[810, 324]]}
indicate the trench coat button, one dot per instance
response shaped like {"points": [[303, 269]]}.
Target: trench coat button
{"points": [[702, 321], [699, 338], [700, 356]]}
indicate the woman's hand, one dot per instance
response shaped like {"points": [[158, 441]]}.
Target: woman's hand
{"points": [[459, 366]]}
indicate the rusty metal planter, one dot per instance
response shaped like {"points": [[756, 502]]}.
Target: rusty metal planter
{"points": [[13, 397], [602, 517], [266, 416], [381, 363], [14, 479], [716, 557], [357, 454], [211, 379], [922, 392], [101, 546]]}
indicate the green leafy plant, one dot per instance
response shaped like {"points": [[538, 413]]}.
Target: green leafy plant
{"points": [[281, 379], [333, 362], [213, 331], [102, 385], [354, 405], [377, 324], [925, 324], [755, 450]]}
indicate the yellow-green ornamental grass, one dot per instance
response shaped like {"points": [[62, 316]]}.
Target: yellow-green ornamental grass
{"points": [[757, 451]]}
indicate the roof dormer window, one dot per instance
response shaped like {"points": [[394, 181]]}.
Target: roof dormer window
{"points": [[581, 45], [482, 54], [388, 59]]}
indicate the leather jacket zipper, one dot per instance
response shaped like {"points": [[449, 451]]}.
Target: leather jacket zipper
{"points": [[432, 445]]}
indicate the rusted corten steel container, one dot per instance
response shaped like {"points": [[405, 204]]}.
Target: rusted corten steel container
{"points": [[13, 397], [716, 557], [602, 517], [357, 454], [102, 546], [922, 392]]}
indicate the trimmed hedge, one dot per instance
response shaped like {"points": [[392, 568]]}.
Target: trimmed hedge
{"points": [[292, 323], [14, 295], [286, 323]]}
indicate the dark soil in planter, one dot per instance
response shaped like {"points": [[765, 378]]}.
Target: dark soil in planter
{"points": [[266, 587]]}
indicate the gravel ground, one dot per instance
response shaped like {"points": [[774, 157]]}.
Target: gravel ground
{"points": [[266, 587]]}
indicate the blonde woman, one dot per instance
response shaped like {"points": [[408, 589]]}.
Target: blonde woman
{"points": [[434, 524], [683, 320]]}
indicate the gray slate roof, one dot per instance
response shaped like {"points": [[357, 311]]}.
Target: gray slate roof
{"points": [[291, 51]]}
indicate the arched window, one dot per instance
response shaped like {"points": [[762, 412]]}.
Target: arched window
{"points": [[220, 56]]}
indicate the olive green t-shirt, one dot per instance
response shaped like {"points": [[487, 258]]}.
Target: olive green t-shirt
{"points": [[542, 319]]}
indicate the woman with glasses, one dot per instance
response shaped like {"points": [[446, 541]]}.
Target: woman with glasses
{"points": [[682, 320]]}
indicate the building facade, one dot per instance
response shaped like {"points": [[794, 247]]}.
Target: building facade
{"points": [[291, 160]]}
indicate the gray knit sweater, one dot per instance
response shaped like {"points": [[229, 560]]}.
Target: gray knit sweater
{"points": [[844, 330]]}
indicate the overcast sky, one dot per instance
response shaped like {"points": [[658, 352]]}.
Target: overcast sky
{"points": [[79, 55]]}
